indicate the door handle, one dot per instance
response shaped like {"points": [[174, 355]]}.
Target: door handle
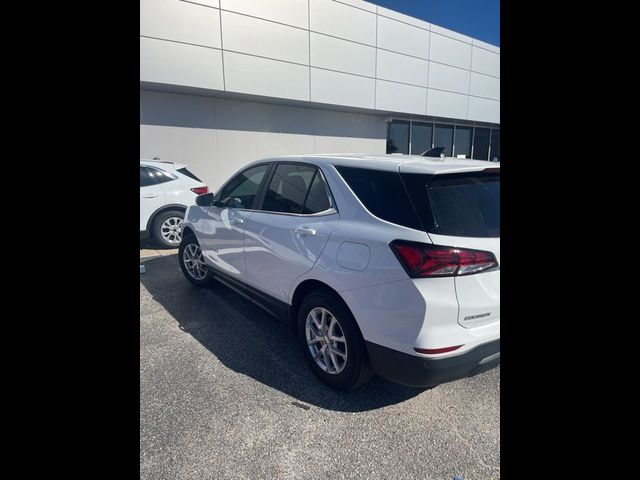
{"points": [[150, 195], [305, 231], [236, 221]]}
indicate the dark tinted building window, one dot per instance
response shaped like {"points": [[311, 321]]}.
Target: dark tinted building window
{"points": [[463, 141], [383, 194], [443, 137], [421, 137], [495, 145], [481, 143], [242, 189], [398, 137], [288, 188]]}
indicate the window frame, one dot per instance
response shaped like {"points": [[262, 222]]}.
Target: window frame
{"points": [[333, 209]]}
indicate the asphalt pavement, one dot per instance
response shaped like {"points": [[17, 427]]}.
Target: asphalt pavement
{"points": [[225, 394]]}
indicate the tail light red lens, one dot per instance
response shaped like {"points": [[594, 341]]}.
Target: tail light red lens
{"points": [[421, 260], [200, 190]]}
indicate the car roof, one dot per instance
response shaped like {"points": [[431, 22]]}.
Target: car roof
{"points": [[391, 162], [161, 164]]}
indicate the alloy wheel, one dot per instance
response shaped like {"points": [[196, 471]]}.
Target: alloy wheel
{"points": [[326, 340]]}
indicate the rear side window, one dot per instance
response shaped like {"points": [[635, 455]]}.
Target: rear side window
{"points": [[462, 205], [318, 199], [296, 189], [145, 179], [186, 172], [154, 176], [383, 194]]}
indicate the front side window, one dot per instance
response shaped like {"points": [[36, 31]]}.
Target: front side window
{"points": [[298, 189], [242, 189]]}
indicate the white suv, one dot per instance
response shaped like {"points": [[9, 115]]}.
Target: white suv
{"points": [[166, 189], [383, 264]]}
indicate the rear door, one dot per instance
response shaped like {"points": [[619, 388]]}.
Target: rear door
{"points": [[287, 234], [463, 210]]}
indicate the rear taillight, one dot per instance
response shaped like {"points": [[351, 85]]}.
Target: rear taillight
{"points": [[200, 190], [422, 260]]}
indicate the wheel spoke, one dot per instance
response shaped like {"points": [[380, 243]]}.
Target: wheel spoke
{"points": [[332, 325], [337, 352], [325, 353], [334, 360], [319, 353]]}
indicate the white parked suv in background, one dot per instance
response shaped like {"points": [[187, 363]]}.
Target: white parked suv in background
{"points": [[383, 264], [166, 189]]}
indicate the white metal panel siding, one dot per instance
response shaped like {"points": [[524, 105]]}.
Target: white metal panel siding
{"points": [[180, 22], [342, 55], [343, 21], [262, 76], [401, 68], [342, 89], [444, 77], [173, 63], [402, 38], [263, 38], [446, 104], [484, 110], [449, 51], [398, 97], [484, 86], [486, 62], [350, 36], [290, 12]]}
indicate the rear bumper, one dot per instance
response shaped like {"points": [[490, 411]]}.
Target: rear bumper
{"points": [[418, 371]]}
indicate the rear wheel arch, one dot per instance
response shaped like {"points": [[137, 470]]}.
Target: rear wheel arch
{"points": [[308, 286], [161, 210]]}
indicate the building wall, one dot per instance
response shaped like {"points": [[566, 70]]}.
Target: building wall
{"points": [[216, 136], [348, 52]]}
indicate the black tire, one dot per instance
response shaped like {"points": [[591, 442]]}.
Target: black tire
{"points": [[357, 369], [187, 240], [156, 233]]}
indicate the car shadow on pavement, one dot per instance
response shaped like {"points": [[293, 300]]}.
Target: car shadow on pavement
{"points": [[251, 342]]}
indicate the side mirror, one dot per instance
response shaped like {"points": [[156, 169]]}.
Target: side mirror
{"points": [[205, 200]]}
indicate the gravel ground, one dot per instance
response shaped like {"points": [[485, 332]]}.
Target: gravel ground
{"points": [[218, 378]]}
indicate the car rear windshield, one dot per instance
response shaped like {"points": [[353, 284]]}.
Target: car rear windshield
{"points": [[186, 172], [463, 204]]}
